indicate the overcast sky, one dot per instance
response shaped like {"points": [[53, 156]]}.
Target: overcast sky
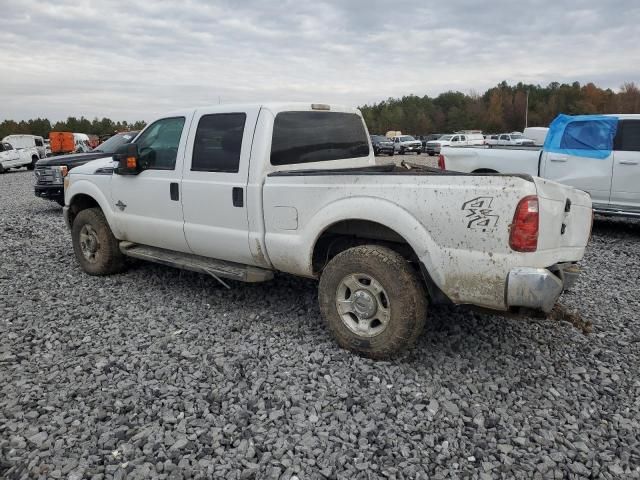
{"points": [[137, 59]]}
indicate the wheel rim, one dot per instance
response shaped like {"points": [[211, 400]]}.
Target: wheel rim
{"points": [[363, 305], [89, 243]]}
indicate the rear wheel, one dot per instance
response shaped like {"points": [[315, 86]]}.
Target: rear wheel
{"points": [[96, 249], [372, 300]]}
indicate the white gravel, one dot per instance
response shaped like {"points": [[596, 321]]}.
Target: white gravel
{"points": [[158, 373]]}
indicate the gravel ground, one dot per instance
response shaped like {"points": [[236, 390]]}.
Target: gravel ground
{"points": [[158, 373]]}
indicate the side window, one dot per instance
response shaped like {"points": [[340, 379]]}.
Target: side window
{"points": [[38, 142], [504, 137], [586, 135], [217, 143], [7, 146], [454, 139], [630, 136], [462, 138], [303, 137], [158, 144]]}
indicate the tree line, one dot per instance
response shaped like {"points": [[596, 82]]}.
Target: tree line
{"points": [[42, 126], [500, 109]]}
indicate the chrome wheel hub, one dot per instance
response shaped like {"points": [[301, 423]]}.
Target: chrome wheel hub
{"points": [[363, 305]]}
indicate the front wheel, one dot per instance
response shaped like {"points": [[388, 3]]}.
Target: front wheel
{"points": [[96, 249], [372, 300], [32, 165], [402, 151]]}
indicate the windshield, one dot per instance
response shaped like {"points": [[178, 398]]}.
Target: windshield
{"points": [[446, 137], [112, 144], [406, 138], [379, 138]]}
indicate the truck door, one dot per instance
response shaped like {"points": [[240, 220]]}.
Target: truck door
{"points": [[625, 185], [147, 205], [214, 184], [593, 175], [10, 156]]}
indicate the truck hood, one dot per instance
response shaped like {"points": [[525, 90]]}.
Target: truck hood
{"points": [[72, 160], [91, 167]]}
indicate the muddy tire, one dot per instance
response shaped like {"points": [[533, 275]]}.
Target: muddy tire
{"points": [[96, 248], [373, 301]]}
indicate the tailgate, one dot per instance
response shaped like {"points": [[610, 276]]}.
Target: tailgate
{"points": [[565, 217]]}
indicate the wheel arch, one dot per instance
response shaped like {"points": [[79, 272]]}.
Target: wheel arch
{"points": [[383, 223], [83, 195]]}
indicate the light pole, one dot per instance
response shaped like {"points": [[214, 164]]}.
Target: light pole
{"points": [[526, 112]]}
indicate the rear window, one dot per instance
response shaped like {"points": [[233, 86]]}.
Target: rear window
{"points": [[305, 137]]}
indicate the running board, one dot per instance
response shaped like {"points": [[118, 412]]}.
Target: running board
{"points": [[196, 263]]}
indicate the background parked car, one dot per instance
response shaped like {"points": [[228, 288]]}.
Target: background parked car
{"points": [[514, 138], [27, 141], [537, 134], [381, 145], [454, 140], [406, 143], [430, 138], [50, 172]]}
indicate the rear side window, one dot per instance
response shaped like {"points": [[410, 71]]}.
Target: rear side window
{"points": [[39, 142], [218, 142], [304, 137], [586, 135], [629, 130]]}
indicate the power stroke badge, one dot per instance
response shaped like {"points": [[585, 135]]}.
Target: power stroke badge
{"points": [[481, 216]]}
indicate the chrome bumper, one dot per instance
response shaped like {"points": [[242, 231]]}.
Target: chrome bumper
{"points": [[539, 288]]}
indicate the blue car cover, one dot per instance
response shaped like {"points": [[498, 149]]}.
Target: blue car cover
{"points": [[588, 136]]}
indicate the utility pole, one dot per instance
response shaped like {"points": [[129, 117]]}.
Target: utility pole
{"points": [[526, 112]]}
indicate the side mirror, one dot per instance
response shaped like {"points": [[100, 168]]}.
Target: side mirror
{"points": [[128, 160]]}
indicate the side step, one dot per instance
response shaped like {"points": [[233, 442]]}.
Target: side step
{"points": [[616, 212], [196, 263]]}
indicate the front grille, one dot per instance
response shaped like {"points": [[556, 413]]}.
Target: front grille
{"points": [[44, 176]]}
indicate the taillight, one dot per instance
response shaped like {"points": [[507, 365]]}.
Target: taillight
{"points": [[524, 229], [441, 164]]}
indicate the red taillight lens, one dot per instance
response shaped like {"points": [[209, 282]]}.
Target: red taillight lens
{"points": [[524, 229], [441, 162]]}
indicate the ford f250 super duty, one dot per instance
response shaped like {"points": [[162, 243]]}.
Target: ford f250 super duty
{"points": [[599, 154], [242, 191]]}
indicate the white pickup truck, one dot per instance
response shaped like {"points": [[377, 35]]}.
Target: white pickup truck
{"points": [[605, 163], [16, 157], [242, 191]]}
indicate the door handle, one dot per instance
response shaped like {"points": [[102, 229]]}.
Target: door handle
{"points": [[628, 162], [557, 158], [174, 192], [237, 196]]}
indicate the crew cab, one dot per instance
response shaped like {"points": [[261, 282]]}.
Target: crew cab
{"points": [[406, 143], [242, 191], [599, 154], [16, 157], [50, 172]]}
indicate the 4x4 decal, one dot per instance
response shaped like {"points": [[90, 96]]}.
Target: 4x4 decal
{"points": [[480, 215]]}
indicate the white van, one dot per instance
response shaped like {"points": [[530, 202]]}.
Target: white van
{"points": [[27, 141]]}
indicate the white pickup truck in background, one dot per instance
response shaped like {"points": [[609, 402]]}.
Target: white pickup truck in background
{"points": [[242, 191], [17, 157], [612, 181]]}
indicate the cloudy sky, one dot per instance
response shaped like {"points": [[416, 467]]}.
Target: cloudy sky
{"points": [[136, 59]]}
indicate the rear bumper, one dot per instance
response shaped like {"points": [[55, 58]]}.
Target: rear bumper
{"points": [[50, 192], [539, 288]]}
